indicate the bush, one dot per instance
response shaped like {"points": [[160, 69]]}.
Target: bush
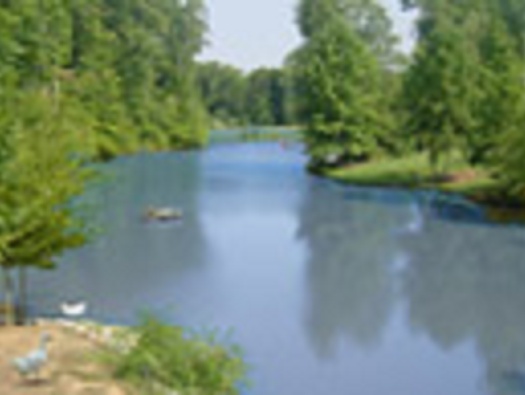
{"points": [[167, 360]]}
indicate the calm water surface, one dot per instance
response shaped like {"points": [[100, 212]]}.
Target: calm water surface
{"points": [[329, 289]]}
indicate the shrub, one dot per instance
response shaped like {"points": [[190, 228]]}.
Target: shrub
{"points": [[168, 360]]}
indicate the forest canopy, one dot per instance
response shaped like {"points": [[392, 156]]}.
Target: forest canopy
{"points": [[125, 67]]}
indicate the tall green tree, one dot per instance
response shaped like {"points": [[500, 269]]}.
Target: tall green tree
{"points": [[441, 87], [365, 17], [465, 85], [42, 170], [337, 83], [502, 90], [511, 11]]}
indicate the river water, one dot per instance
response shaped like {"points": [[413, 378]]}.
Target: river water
{"points": [[329, 289]]}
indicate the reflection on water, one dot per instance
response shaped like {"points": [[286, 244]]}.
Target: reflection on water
{"points": [[330, 289], [465, 283], [350, 247]]}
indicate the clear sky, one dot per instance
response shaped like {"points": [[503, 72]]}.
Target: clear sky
{"points": [[254, 33]]}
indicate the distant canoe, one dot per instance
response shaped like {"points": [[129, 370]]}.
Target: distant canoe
{"points": [[162, 214]]}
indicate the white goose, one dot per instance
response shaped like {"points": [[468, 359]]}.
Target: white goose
{"points": [[33, 362]]}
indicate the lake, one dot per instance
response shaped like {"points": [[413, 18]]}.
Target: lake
{"points": [[329, 289]]}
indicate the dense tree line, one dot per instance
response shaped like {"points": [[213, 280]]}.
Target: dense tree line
{"points": [[462, 90], [235, 98], [125, 67]]}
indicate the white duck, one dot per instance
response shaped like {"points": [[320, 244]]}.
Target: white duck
{"points": [[33, 362], [73, 310]]}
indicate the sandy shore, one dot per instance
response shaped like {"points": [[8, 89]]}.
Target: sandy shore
{"points": [[71, 369]]}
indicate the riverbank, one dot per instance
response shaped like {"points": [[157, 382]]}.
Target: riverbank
{"points": [[415, 172], [255, 134], [88, 358], [72, 367]]}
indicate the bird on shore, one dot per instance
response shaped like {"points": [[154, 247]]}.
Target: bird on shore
{"points": [[32, 363], [73, 310]]}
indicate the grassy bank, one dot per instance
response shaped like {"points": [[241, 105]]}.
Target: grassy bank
{"points": [[253, 133], [415, 172]]}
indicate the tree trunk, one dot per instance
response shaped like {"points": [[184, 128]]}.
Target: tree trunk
{"points": [[22, 292], [434, 163], [9, 313]]}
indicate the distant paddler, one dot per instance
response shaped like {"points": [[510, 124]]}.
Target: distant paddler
{"points": [[162, 214]]}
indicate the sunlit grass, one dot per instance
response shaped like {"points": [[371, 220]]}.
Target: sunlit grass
{"points": [[415, 171]]}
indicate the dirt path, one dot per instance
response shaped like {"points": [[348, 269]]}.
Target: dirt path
{"points": [[70, 370]]}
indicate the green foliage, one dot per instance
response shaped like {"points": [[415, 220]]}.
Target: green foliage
{"points": [[441, 87], [166, 359], [510, 11], [222, 88], [234, 99], [40, 175], [463, 90], [42, 170], [510, 154], [465, 87], [503, 93], [266, 96], [338, 87], [128, 66], [367, 18]]}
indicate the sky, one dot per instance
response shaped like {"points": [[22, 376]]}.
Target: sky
{"points": [[255, 33]]}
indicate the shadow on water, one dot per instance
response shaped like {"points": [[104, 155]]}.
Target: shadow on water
{"points": [[120, 272]]}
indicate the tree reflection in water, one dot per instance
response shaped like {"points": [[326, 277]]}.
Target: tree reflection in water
{"points": [[466, 282], [348, 269]]}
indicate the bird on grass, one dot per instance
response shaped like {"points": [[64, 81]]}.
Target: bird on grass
{"points": [[31, 364]]}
